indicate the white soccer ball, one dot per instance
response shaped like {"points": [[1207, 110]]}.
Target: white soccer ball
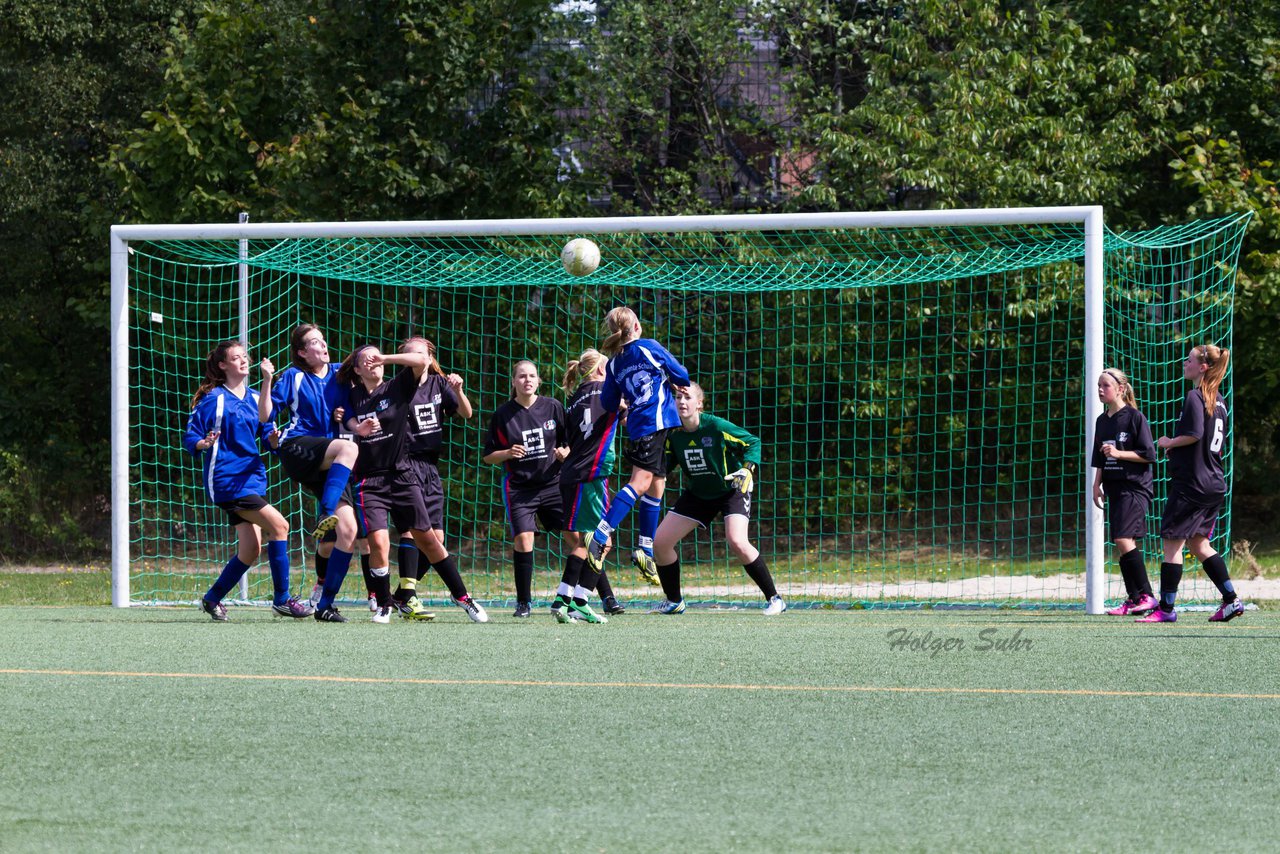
{"points": [[580, 256]]}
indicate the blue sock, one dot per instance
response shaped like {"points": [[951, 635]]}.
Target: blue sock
{"points": [[338, 563], [334, 483], [231, 574], [618, 510], [650, 510], [278, 556]]}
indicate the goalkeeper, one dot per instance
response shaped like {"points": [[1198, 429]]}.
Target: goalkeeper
{"points": [[719, 461]]}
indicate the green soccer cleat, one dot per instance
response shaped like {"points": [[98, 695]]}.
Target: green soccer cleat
{"points": [[647, 565], [413, 609], [584, 614]]}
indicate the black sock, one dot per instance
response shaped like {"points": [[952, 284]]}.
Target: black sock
{"points": [[760, 575], [322, 567], [370, 585], [572, 574], [669, 575], [523, 563], [423, 563], [1216, 568], [1170, 576], [599, 582], [382, 588], [448, 572], [1134, 569], [407, 560]]}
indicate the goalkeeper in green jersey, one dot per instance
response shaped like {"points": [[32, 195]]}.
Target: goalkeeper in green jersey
{"points": [[719, 461]]}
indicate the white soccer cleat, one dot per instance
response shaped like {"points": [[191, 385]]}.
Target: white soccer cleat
{"points": [[382, 615], [775, 606]]}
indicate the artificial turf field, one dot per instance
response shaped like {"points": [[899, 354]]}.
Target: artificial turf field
{"points": [[157, 729]]}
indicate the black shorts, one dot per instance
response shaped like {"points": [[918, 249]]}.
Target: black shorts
{"points": [[648, 453], [244, 502], [705, 510], [527, 506], [1127, 511], [396, 497], [1184, 518], [432, 490]]}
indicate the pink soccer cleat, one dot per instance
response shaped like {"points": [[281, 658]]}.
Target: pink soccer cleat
{"points": [[1145, 605], [1227, 611], [1159, 616], [1124, 609]]}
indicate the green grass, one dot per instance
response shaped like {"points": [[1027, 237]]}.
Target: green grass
{"points": [[704, 732]]}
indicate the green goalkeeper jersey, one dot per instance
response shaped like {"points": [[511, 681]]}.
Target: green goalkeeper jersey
{"points": [[707, 454]]}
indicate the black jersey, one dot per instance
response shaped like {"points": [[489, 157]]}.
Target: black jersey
{"points": [[590, 428], [1127, 430], [540, 428], [383, 452], [1197, 469], [431, 402]]}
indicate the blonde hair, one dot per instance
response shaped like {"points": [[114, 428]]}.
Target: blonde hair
{"points": [[1215, 360], [1126, 387], [618, 326], [581, 368], [433, 366], [696, 392]]}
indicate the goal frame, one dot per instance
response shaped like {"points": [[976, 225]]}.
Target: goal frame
{"points": [[1089, 216]]}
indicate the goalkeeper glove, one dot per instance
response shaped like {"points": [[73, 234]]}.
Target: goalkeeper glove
{"points": [[742, 479]]}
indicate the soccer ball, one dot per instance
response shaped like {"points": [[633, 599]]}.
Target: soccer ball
{"points": [[580, 257]]}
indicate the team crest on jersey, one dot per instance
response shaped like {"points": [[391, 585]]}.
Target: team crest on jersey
{"points": [[435, 398], [548, 425], [383, 404], [707, 441], [1122, 437]]}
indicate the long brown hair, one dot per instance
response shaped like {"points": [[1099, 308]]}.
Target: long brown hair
{"points": [[581, 368], [1126, 388], [347, 372], [433, 366], [618, 325], [214, 376], [1215, 360], [297, 342]]}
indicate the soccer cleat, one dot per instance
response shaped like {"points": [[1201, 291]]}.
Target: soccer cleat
{"points": [[1145, 605], [413, 609], [648, 567], [1159, 616], [595, 553], [560, 611], [373, 603], [523, 609], [612, 606], [382, 615], [473, 609], [666, 606], [216, 610], [295, 608], [324, 525], [1227, 611], [775, 606], [316, 592], [584, 614], [329, 615], [1124, 609]]}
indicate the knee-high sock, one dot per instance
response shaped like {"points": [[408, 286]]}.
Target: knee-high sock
{"points": [[448, 572], [523, 562], [322, 568], [368, 576], [618, 510], [669, 575], [1170, 577], [339, 562], [1216, 568], [572, 574], [1134, 570], [278, 556], [760, 575], [228, 578], [598, 581], [650, 510], [381, 584], [407, 560], [334, 482]]}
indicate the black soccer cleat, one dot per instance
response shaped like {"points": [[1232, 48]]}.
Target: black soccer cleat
{"points": [[329, 615], [216, 610], [523, 609], [612, 606]]}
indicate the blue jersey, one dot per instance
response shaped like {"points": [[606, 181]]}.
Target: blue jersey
{"points": [[639, 373], [310, 401], [232, 466]]}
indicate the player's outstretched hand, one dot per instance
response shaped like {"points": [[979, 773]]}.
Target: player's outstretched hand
{"points": [[267, 369], [741, 480]]}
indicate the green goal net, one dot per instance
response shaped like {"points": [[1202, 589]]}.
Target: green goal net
{"points": [[920, 391]]}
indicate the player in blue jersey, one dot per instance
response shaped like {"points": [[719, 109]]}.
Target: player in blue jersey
{"points": [[527, 438], [224, 430], [1197, 485], [1123, 454], [643, 374], [309, 450], [583, 491]]}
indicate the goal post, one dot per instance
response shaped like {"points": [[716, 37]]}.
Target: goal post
{"points": [[845, 303]]}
